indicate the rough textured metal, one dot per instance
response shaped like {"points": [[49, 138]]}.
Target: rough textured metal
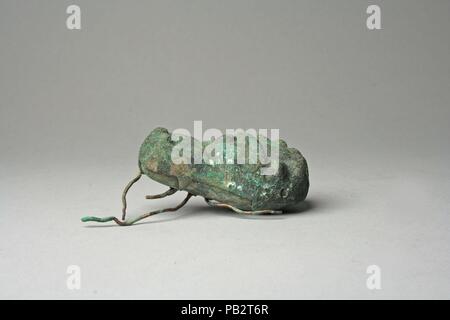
{"points": [[241, 186]]}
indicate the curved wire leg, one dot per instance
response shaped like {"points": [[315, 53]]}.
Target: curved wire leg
{"points": [[129, 222], [215, 203], [124, 194], [162, 195]]}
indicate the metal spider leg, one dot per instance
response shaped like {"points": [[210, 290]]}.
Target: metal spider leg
{"points": [[162, 195], [215, 203], [129, 222]]}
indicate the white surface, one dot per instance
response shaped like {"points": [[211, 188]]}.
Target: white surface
{"points": [[392, 217]]}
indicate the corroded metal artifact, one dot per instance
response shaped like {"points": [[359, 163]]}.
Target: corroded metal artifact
{"points": [[240, 187]]}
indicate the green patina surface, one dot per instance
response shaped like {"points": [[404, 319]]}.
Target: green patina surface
{"points": [[239, 185]]}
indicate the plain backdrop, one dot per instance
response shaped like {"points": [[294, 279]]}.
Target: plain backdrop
{"points": [[369, 110]]}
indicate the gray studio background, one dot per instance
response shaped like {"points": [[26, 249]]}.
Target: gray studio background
{"points": [[368, 109]]}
